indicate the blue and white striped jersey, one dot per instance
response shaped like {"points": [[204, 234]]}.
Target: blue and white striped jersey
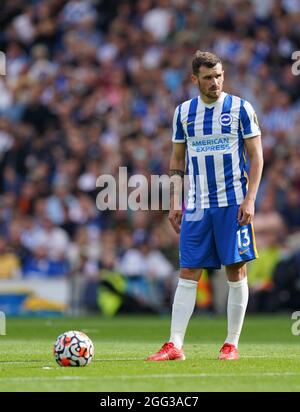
{"points": [[214, 135]]}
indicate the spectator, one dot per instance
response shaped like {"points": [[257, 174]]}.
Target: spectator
{"points": [[10, 265], [290, 211]]}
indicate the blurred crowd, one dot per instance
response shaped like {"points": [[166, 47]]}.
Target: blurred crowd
{"points": [[91, 85]]}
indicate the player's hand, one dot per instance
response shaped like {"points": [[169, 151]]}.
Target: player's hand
{"points": [[246, 212], [175, 217]]}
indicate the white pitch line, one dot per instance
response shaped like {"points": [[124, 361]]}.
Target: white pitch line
{"points": [[289, 357], [18, 362], [94, 360], [153, 376], [271, 356]]}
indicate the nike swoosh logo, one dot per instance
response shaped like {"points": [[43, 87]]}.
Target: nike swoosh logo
{"points": [[187, 123], [243, 251]]}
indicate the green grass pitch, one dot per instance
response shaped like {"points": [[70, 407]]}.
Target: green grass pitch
{"points": [[270, 356]]}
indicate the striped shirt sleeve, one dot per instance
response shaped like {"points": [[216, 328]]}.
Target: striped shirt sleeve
{"points": [[249, 122], [178, 132]]}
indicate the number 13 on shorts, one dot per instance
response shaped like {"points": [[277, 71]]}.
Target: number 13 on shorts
{"points": [[246, 240], [243, 237]]}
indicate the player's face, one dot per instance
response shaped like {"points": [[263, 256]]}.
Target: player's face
{"points": [[210, 81]]}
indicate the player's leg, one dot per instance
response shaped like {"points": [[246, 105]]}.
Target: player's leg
{"points": [[182, 310], [236, 308], [184, 304]]}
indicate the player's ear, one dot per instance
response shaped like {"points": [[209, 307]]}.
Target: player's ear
{"points": [[194, 79]]}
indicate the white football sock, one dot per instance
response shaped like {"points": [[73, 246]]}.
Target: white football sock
{"points": [[236, 308], [183, 307]]}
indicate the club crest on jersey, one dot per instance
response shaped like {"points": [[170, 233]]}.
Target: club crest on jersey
{"points": [[225, 119]]}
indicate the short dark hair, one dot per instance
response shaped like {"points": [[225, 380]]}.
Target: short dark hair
{"points": [[206, 59]]}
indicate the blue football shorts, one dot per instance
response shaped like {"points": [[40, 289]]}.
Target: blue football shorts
{"points": [[215, 239]]}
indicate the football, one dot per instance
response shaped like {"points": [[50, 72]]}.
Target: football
{"points": [[73, 348]]}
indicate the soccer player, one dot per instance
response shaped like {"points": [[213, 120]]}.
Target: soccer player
{"points": [[214, 132]]}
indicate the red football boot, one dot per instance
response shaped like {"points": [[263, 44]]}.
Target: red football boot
{"points": [[228, 352], [167, 352]]}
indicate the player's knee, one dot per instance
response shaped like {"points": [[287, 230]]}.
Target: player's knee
{"points": [[236, 272], [190, 274]]}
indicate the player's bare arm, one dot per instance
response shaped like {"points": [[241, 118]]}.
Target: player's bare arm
{"points": [[254, 151], [177, 168]]}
